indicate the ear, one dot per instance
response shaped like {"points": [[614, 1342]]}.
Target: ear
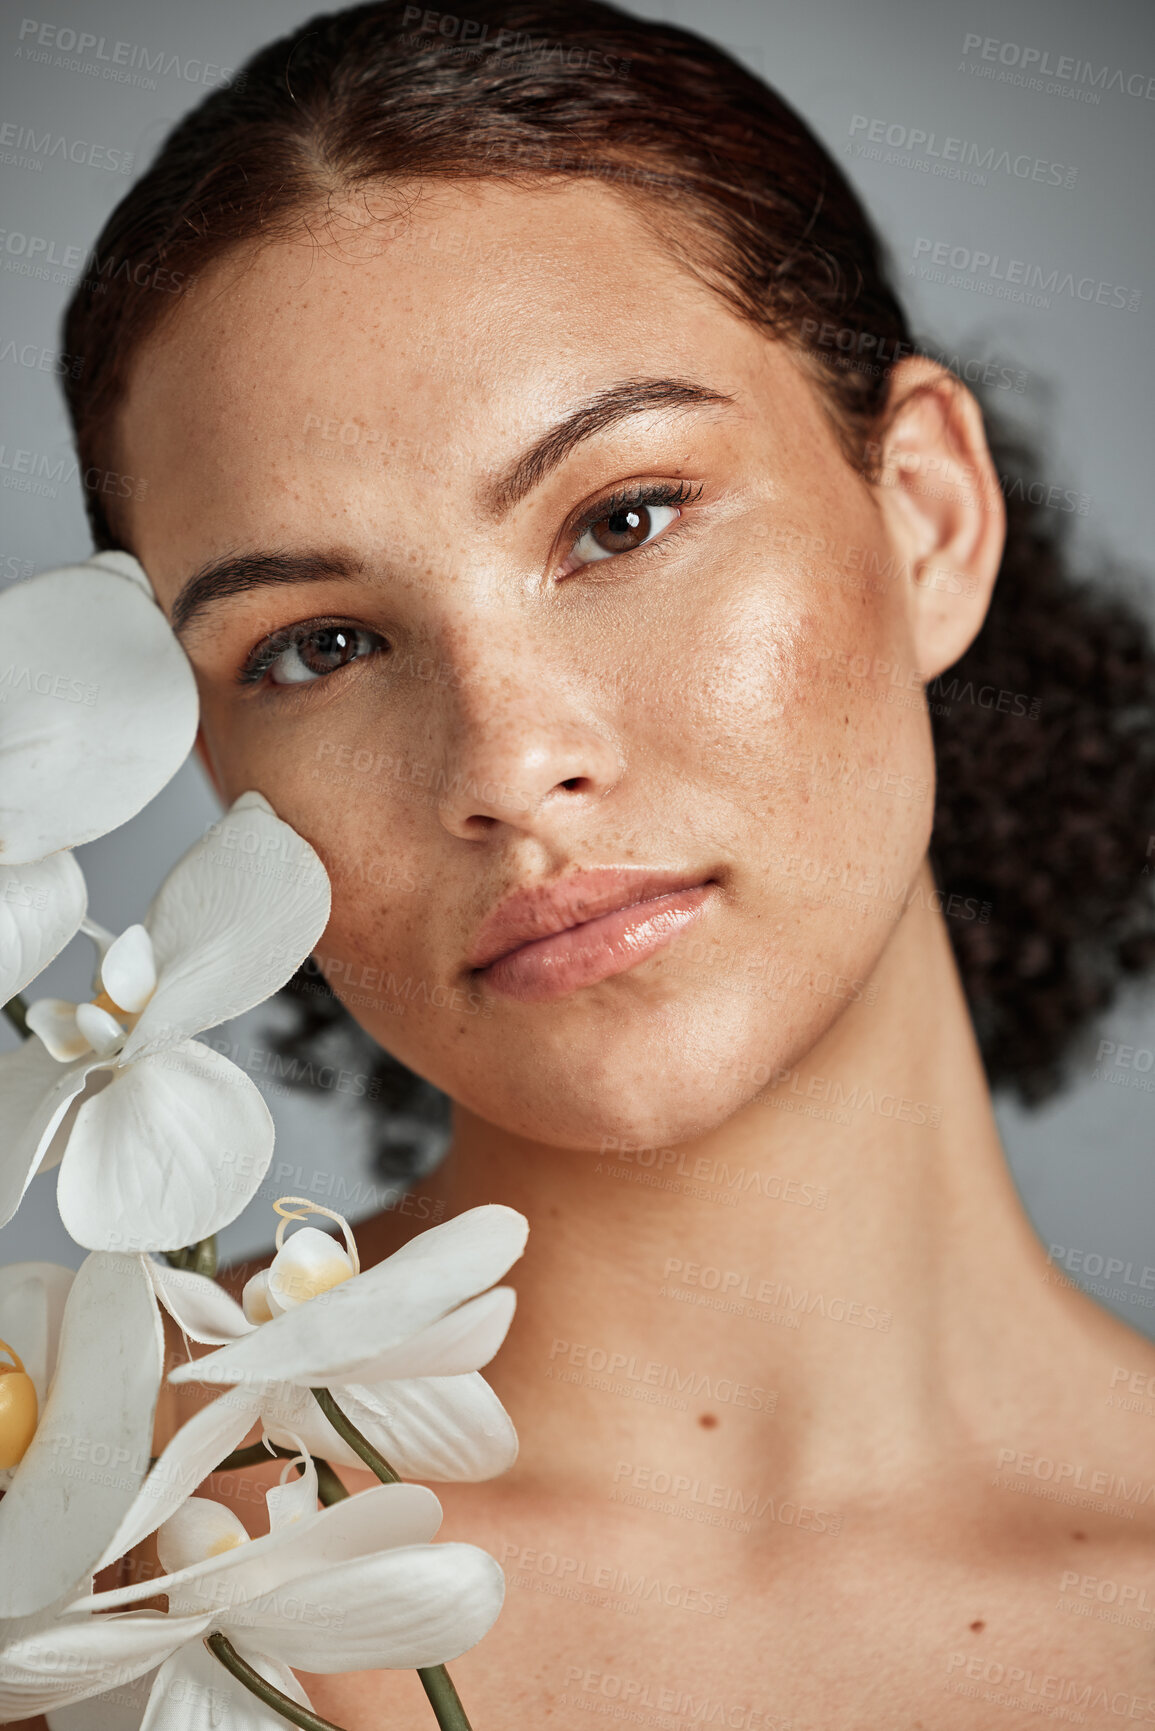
{"points": [[942, 506]]}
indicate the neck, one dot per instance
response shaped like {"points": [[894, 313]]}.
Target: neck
{"points": [[822, 1285]]}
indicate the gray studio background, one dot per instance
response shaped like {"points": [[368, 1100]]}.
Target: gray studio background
{"points": [[870, 78]]}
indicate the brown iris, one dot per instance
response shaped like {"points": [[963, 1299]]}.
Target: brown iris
{"points": [[623, 530], [329, 648]]}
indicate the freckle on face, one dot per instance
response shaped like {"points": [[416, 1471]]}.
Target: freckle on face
{"points": [[687, 692]]}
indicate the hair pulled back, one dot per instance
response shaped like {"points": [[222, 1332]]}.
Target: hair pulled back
{"points": [[1046, 792]]}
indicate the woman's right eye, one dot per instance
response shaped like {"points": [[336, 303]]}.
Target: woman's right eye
{"points": [[310, 653]]}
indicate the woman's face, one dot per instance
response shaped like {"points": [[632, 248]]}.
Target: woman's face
{"points": [[459, 651]]}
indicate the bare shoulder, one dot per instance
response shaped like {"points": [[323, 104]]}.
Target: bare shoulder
{"points": [[1073, 1474], [1109, 1395]]}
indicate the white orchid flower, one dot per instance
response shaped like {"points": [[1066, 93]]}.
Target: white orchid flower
{"points": [[76, 1415], [98, 710], [161, 1141], [399, 1348], [354, 1587]]}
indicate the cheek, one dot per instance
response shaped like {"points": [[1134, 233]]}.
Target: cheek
{"points": [[372, 825], [777, 694], [787, 736], [367, 809]]}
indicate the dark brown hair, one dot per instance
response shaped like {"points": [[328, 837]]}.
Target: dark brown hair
{"points": [[1043, 731]]}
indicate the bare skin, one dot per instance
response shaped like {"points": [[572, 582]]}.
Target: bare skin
{"points": [[870, 1532]]}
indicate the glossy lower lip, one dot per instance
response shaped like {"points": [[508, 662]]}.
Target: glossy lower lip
{"points": [[595, 950]]}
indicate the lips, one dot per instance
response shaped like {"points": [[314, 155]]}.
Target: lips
{"points": [[545, 909], [612, 919]]}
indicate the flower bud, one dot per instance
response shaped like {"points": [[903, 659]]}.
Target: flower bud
{"points": [[19, 1411]]}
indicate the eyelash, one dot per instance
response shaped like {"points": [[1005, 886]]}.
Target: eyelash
{"points": [[270, 649], [630, 499], [263, 656]]}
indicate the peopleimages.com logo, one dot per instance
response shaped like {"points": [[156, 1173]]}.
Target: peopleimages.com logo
{"points": [[1023, 64], [1014, 278], [46, 44]]}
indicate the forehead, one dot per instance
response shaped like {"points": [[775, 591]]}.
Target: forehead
{"points": [[477, 289], [438, 330]]}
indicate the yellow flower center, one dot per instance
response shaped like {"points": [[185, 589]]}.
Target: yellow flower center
{"points": [[228, 1543], [19, 1411], [290, 1209], [309, 1264], [127, 1018]]}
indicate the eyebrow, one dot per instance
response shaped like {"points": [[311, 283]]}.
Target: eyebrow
{"points": [[615, 403], [236, 574]]}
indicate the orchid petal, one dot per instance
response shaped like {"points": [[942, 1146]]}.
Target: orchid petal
{"points": [[280, 1676], [125, 565], [198, 1446], [450, 1429], [386, 1518], [291, 1418], [399, 1610], [53, 1020], [454, 1426], [99, 1076], [293, 1499], [41, 906], [98, 1028], [255, 1298], [86, 655], [90, 1452], [122, 1709], [309, 1263], [331, 1338], [232, 922], [35, 1094], [167, 1154], [199, 1529], [33, 1296], [375, 1520], [463, 1341], [128, 971], [194, 1692], [199, 1307], [71, 1658]]}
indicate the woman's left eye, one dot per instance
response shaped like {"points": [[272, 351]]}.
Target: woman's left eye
{"points": [[625, 524], [622, 531], [310, 654]]}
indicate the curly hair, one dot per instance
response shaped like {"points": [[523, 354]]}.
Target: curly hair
{"points": [[1043, 730], [1047, 814]]}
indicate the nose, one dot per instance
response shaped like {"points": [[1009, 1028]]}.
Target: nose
{"points": [[524, 752]]}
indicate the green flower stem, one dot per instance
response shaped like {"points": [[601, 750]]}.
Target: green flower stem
{"points": [[16, 1011], [330, 1490], [204, 1257], [222, 1648], [350, 1434], [435, 1679], [443, 1698], [200, 1258]]}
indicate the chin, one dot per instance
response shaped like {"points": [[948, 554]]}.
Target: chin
{"points": [[630, 1117], [675, 1075]]}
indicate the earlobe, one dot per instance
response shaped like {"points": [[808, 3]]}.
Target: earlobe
{"points": [[943, 508]]}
